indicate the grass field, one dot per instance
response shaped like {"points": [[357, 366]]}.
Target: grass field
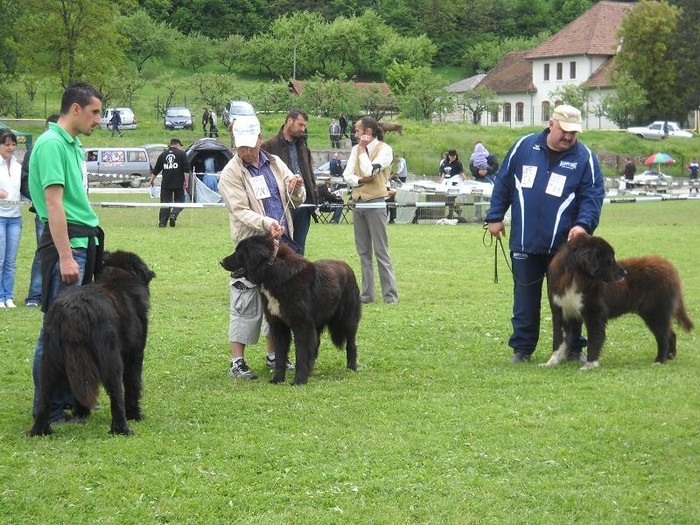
{"points": [[435, 427]]}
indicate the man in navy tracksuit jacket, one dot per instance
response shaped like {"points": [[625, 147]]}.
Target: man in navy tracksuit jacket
{"points": [[554, 188]]}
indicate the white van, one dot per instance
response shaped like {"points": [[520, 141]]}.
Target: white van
{"points": [[127, 167]]}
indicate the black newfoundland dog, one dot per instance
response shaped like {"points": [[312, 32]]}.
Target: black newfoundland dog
{"points": [[587, 284], [97, 334], [302, 298]]}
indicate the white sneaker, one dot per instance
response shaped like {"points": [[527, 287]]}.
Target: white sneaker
{"points": [[10, 304], [2, 304]]}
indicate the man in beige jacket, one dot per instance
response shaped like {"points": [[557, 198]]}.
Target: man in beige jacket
{"points": [[259, 191]]}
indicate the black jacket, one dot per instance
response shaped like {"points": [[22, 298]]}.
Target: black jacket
{"points": [[278, 146]]}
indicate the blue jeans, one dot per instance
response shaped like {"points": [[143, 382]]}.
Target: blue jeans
{"points": [[57, 285], [34, 293], [10, 233], [529, 271], [301, 217]]}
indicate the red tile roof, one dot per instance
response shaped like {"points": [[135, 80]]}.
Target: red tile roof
{"points": [[297, 86], [602, 77], [592, 33], [513, 74]]}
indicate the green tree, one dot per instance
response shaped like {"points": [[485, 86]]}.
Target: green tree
{"points": [[685, 44], [624, 103], [327, 97], [147, 39], [475, 102], [272, 97], [485, 54], [118, 88], [214, 89], [574, 95], [219, 18], [647, 55], [400, 75], [71, 40], [425, 95], [414, 51], [377, 103], [8, 59], [193, 51], [228, 51]]}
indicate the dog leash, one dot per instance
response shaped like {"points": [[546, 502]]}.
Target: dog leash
{"points": [[499, 242], [495, 244]]}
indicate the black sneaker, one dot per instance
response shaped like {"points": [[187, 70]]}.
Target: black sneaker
{"points": [[270, 362], [240, 369], [520, 357]]}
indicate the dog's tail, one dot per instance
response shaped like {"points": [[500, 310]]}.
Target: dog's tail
{"points": [[81, 369], [682, 316]]}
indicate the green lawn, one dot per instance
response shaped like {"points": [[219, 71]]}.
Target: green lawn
{"points": [[435, 427]]}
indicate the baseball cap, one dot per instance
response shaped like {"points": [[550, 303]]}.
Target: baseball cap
{"points": [[246, 131], [569, 118]]}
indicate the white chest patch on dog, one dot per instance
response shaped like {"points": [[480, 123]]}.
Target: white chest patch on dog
{"points": [[570, 302], [273, 305]]}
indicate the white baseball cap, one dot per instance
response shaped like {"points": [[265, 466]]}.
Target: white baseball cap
{"points": [[246, 131]]}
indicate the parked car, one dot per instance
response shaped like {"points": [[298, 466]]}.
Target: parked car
{"points": [[127, 167], [178, 117], [651, 181], [235, 109], [655, 130], [128, 118], [322, 173]]}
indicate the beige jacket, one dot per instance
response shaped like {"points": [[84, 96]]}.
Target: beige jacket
{"points": [[246, 212]]}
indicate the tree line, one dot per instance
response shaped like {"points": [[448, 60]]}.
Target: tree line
{"points": [[117, 44]]}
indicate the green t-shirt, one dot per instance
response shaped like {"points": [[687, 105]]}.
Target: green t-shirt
{"points": [[58, 159]]}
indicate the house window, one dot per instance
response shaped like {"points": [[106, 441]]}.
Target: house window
{"points": [[546, 72], [560, 70], [494, 115], [519, 112], [572, 70], [546, 111], [506, 112]]}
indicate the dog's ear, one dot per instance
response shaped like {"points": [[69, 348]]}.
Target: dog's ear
{"points": [[583, 257]]}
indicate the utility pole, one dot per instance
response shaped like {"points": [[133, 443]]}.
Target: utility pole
{"points": [[294, 64]]}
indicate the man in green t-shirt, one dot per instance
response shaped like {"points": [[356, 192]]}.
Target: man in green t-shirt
{"points": [[58, 187]]}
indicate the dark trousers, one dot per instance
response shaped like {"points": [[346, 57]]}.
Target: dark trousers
{"points": [[170, 195], [301, 218], [529, 272]]}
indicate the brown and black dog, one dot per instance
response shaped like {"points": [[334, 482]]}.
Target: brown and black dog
{"points": [[587, 284]]}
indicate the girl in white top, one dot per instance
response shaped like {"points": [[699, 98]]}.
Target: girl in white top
{"points": [[10, 216]]}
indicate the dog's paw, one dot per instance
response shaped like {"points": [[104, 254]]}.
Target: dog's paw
{"points": [[41, 431], [121, 431], [589, 365], [276, 380], [136, 415]]}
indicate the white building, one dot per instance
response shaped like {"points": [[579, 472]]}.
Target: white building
{"points": [[583, 52]]}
